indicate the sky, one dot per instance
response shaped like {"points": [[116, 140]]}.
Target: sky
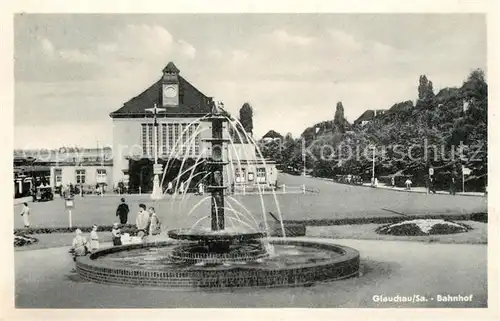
{"points": [[72, 70]]}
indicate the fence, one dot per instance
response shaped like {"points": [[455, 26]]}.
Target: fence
{"points": [[282, 189]]}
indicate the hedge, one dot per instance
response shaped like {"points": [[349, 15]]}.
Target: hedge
{"points": [[131, 229], [128, 228], [479, 217]]}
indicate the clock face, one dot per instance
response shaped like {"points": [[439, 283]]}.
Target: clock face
{"points": [[169, 91]]}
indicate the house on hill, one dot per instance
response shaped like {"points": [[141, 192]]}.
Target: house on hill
{"points": [[271, 136], [368, 116]]}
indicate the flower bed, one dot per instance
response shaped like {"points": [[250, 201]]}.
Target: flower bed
{"points": [[24, 240], [131, 229], [422, 227]]}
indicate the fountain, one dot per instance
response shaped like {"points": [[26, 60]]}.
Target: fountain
{"points": [[220, 256]]}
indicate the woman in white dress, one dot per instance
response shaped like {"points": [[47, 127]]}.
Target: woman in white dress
{"points": [[25, 213]]}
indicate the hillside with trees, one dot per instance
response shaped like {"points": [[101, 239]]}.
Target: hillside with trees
{"points": [[446, 131]]}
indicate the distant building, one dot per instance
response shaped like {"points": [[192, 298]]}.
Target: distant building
{"points": [[248, 169], [271, 136], [368, 116], [85, 167]]}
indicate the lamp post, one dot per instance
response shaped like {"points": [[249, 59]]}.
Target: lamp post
{"points": [[157, 168], [373, 164]]}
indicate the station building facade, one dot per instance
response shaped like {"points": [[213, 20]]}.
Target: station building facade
{"points": [[181, 136]]}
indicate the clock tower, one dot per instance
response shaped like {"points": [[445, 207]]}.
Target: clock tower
{"points": [[170, 86]]}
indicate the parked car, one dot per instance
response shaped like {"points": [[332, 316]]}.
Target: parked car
{"points": [[43, 193]]}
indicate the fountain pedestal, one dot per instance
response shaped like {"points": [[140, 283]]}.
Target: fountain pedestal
{"points": [[157, 193]]}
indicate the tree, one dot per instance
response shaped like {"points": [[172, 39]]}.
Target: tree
{"points": [[425, 93], [339, 119], [246, 118]]}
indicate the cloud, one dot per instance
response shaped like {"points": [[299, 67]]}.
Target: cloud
{"points": [[187, 49], [282, 36], [129, 44], [46, 47], [76, 56], [344, 41]]}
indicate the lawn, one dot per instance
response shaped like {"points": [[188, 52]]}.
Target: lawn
{"points": [[331, 201]]}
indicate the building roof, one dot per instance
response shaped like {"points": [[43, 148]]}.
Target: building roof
{"points": [[272, 134], [171, 68], [192, 102], [369, 115]]}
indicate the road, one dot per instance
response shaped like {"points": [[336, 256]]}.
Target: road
{"points": [[331, 200]]}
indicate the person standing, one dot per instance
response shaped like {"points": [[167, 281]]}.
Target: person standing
{"points": [[181, 188], [453, 185], [122, 211], [116, 234], [142, 221], [393, 182], [408, 183], [201, 190], [25, 213], [432, 187], [154, 222], [170, 188], [94, 239]]}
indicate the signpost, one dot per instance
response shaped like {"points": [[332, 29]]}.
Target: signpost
{"points": [[69, 203], [465, 171]]}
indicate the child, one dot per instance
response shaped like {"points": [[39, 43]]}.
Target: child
{"points": [[94, 239], [117, 234], [154, 225], [79, 246]]}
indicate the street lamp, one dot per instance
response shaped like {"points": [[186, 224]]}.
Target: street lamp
{"points": [[157, 168], [373, 164]]}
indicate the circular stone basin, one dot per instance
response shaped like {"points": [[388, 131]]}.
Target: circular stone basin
{"points": [[422, 227], [228, 235], [291, 263], [241, 252]]}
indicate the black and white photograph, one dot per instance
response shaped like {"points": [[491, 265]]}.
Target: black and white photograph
{"points": [[250, 160]]}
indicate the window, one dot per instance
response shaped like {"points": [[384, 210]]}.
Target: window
{"points": [[184, 139], [250, 177], [101, 176], [261, 175], [150, 139], [191, 139], [147, 139], [177, 143], [58, 177], [239, 175], [80, 176], [171, 140], [164, 139], [196, 141], [144, 139]]}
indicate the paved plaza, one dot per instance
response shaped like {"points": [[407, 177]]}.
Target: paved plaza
{"points": [[388, 268], [328, 201]]}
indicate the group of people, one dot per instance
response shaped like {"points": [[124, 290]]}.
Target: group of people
{"points": [[81, 246], [147, 223], [182, 188]]}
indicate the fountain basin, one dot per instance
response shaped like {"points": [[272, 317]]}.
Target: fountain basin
{"points": [[206, 235], [296, 263]]}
